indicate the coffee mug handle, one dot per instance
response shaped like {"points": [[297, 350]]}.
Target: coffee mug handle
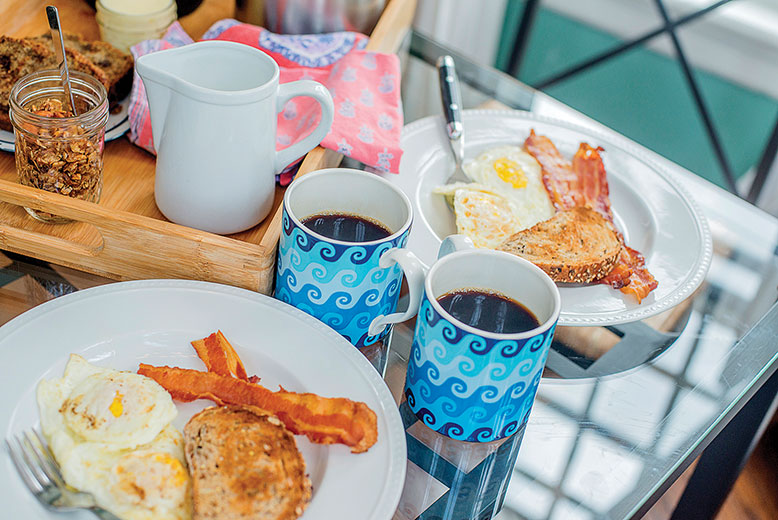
{"points": [[414, 272], [454, 243], [317, 91]]}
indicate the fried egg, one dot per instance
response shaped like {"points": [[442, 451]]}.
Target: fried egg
{"points": [[481, 214], [513, 173], [145, 483], [110, 432], [507, 196]]}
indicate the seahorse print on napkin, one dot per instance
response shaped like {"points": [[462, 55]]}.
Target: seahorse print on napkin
{"points": [[365, 134], [366, 98], [344, 148], [369, 62], [347, 108], [385, 122], [349, 75], [290, 111], [384, 160], [387, 84]]}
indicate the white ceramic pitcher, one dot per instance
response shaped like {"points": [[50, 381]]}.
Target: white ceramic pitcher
{"points": [[213, 111]]}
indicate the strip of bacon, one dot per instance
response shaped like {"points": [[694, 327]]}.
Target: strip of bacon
{"points": [[560, 180], [592, 180], [219, 356], [324, 420], [583, 182], [630, 275]]}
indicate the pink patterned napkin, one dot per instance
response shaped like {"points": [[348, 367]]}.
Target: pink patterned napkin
{"points": [[365, 88]]}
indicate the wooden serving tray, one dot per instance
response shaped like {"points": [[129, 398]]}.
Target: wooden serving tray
{"points": [[125, 237]]}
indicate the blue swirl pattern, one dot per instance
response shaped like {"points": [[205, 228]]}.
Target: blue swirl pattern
{"points": [[468, 387], [341, 285]]}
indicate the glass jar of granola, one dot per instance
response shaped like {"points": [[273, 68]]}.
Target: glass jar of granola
{"points": [[56, 150]]}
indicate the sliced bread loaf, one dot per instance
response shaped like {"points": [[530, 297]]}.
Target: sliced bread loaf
{"points": [[17, 59], [21, 56], [116, 65], [577, 245], [244, 464]]}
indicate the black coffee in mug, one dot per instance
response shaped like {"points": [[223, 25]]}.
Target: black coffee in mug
{"points": [[346, 227], [488, 311]]}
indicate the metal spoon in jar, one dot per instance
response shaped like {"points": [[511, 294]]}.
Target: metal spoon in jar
{"points": [[59, 49]]}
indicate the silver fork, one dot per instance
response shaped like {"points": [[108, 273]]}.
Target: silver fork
{"points": [[41, 474], [452, 112]]}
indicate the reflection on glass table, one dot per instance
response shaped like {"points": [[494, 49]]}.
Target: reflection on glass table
{"points": [[624, 409]]}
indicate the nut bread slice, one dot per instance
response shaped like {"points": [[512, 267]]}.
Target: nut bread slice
{"points": [[19, 57], [244, 464], [576, 246], [116, 64]]}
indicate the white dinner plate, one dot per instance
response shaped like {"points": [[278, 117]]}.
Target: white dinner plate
{"points": [[118, 123], [119, 325], [653, 212]]}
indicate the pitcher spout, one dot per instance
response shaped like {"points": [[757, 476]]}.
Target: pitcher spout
{"points": [[156, 79], [211, 72]]}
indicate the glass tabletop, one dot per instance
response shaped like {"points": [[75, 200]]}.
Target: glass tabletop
{"points": [[604, 442], [600, 443]]}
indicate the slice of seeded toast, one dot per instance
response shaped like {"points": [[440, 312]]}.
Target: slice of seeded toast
{"points": [[576, 246], [244, 465]]}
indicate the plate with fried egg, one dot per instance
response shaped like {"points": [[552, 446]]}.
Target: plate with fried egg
{"points": [[507, 195], [70, 373]]}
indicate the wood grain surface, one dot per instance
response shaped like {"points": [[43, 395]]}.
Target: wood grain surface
{"points": [[125, 236]]}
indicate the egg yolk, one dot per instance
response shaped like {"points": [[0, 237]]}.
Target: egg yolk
{"points": [[116, 407], [510, 172], [175, 467]]}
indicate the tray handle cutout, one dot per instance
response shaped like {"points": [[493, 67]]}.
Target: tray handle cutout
{"points": [[25, 240]]}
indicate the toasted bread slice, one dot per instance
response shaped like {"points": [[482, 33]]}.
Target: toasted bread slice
{"points": [[577, 245], [244, 464]]}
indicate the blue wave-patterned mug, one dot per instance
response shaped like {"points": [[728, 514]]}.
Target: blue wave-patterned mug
{"points": [[351, 286], [470, 384]]}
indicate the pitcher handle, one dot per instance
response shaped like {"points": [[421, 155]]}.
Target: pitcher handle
{"points": [[317, 91]]}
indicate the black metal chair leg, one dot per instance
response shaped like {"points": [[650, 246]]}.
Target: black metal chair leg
{"points": [[764, 167], [522, 36]]}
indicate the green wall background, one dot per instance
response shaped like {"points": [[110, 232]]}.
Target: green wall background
{"points": [[643, 94]]}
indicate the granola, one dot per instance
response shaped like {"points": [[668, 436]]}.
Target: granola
{"points": [[61, 159]]}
